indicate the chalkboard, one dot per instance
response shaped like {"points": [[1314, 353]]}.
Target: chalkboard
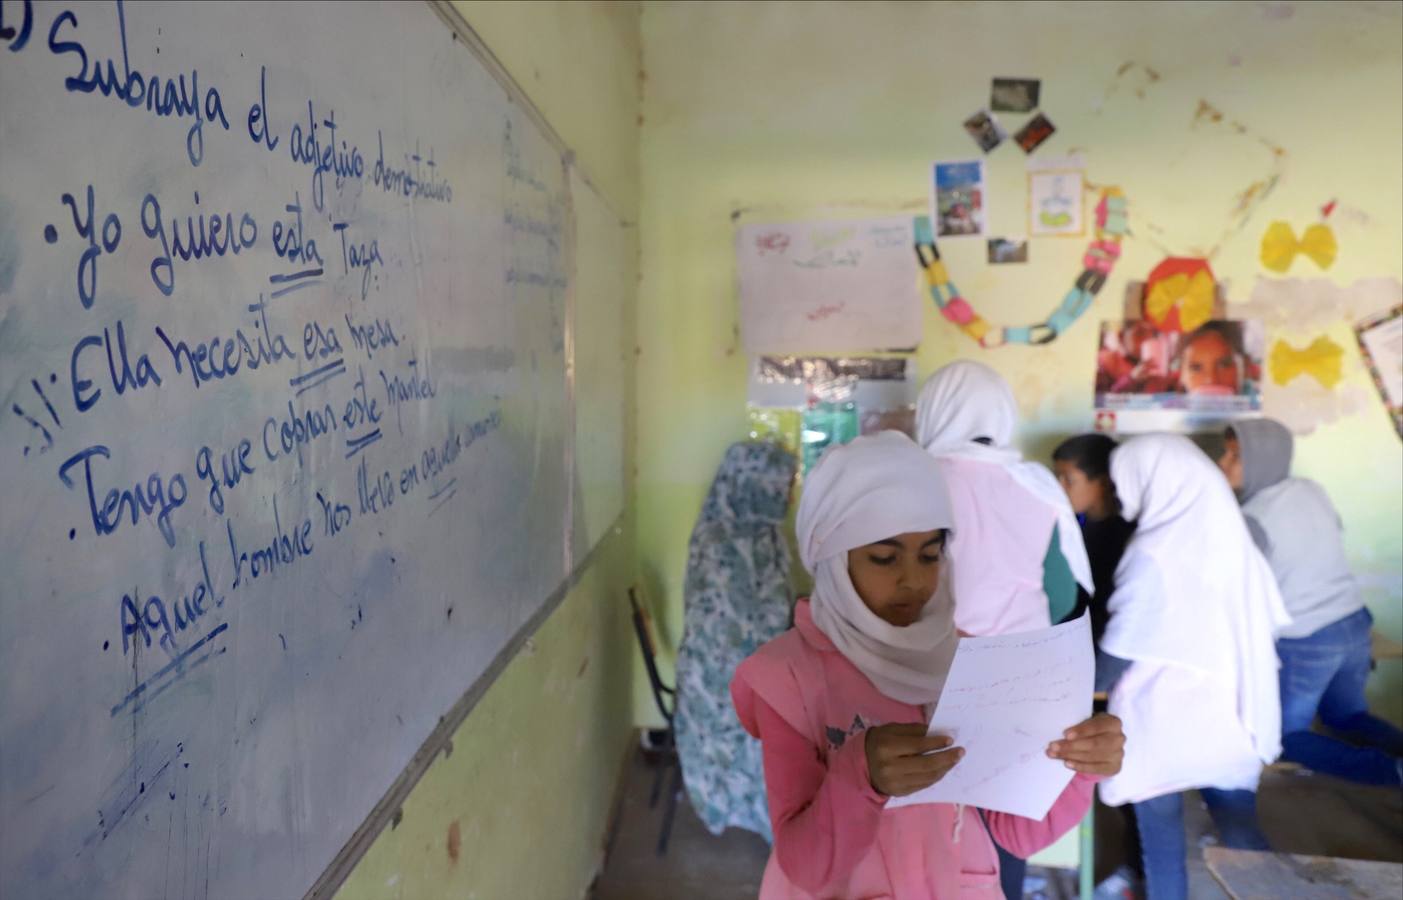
{"points": [[287, 458]]}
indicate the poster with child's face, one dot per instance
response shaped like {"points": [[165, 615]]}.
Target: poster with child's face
{"points": [[1213, 371], [958, 198]]}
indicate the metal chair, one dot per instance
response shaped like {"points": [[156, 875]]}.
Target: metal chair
{"points": [[666, 699]]}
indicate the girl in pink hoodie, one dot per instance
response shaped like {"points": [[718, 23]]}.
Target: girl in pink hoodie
{"points": [[839, 702]]}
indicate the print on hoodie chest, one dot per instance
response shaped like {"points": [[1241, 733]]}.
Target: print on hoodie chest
{"points": [[837, 736]]}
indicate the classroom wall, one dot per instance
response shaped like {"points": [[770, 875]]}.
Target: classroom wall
{"points": [[519, 805], [779, 111]]}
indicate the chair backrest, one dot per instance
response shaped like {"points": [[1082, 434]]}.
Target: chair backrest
{"points": [[643, 627]]}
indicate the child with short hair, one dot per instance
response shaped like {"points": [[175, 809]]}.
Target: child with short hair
{"points": [[840, 701], [1325, 651], [1083, 468]]}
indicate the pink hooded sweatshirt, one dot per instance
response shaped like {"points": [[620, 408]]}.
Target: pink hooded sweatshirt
{"points": [[810, 707]]}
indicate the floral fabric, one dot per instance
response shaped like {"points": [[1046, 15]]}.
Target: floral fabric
{"points": [[737, 597]]}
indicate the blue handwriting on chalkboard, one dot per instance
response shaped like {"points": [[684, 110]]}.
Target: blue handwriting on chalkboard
{"points": [[289, 282], [361, 409], [201, 238], [223, 357], [260, 126], [436, 459], [158, 494], [34, 423], [17, 39], [297, 431], [335, 516], [376, 493], [146, 692], [358, 256], [410, 184], [119, 368], [232, 467], [85, 226], [169, 98], [306, 147], [283, 550], [318, 342], [317, 377], [416, 385], [289, 241], [379, 333], [154, 615]]}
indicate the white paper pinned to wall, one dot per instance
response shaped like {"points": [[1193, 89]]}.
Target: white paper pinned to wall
{"points": [[829, 286]]}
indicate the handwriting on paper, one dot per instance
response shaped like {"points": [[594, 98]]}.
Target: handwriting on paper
{"points": [[1007, 697]]}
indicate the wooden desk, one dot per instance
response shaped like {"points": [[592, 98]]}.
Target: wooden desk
{"points": [[1250, 875]]}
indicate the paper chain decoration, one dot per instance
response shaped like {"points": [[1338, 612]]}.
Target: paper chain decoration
{"points": [[1100, 258]]}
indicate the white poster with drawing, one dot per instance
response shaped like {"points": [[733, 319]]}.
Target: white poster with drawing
{"points": [[1007, 697], [829, 287], [1055, 203]]}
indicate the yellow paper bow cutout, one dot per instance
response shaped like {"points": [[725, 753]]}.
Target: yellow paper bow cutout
{"points": [[1279, 246], [1323, 360], [1193, 295]]}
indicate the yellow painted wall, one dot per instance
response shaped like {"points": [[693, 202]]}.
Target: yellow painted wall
{"points": [[519, 808], [806, 110]]}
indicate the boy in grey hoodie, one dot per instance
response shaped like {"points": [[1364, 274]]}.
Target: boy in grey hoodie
{"points": [[1324, 652]]}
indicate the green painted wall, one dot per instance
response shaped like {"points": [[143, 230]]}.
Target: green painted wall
{"points": [[519, 807], [810, 110]]}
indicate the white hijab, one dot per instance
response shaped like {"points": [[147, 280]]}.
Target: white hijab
{"points": [[965, 400], [1193, 594], [859, 493]]}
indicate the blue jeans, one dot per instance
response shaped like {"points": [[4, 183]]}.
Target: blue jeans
{"points": [[1324, 673], [1163, 844]]}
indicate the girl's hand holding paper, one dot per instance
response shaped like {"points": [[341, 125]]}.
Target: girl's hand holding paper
{"points": [[1094, 747], [903, 759]]}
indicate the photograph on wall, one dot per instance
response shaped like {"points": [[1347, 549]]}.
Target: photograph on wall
{"points": [[1381, 344], [1056, 206], [1007, 250], [1014, 94], [1214, 369], [1031, 136], [958, 198], [985, 129]]}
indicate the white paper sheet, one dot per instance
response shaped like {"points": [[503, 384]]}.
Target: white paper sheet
{"points": [[829, 287], [1006, 699]]}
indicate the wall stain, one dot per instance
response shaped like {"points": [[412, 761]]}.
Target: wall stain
{"points": [[1207, 112], [1145, 78], [455, 842]]}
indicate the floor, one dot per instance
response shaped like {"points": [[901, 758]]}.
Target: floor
{"points": [[1300, 814]]}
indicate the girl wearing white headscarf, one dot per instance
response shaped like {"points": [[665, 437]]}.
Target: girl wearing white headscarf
{"points": [[839, 702], [1195, 611], [1017, 555]]}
